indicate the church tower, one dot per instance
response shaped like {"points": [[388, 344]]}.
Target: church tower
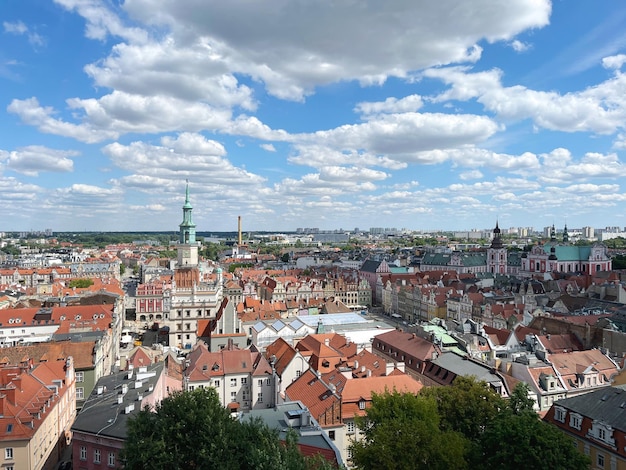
{"points": [[187, 247], [497, 254]]}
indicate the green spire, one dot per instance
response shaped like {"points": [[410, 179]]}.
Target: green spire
{"points": [[187, 227]]}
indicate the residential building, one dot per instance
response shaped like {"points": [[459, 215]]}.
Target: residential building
{"points": [[87, 360], [243, 378], [597, 423], [295, 416], [38, 407]]}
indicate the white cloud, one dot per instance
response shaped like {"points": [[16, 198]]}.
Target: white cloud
{"points": [[119, 113], [292, 48], [103, 21], [268, 147], [19, 28], [187, 156], [600, 109], [409, 103], [614, 62], [33, 159], [519, 46], [471, 175]]}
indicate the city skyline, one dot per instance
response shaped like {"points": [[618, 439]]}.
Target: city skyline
{"points": [[408, 114]]}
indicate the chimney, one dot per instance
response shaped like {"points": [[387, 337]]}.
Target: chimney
{"points": [[327, 342], [239, 238]]}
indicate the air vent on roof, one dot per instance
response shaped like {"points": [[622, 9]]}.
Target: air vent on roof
{"points": [[95, 316], [11, 320], [62, 317], [102, 315]]}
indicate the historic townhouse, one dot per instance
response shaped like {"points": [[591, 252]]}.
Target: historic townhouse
{"points": [[243, 378], [38, 407], [597, 423]]}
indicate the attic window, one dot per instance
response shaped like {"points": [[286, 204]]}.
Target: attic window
{"points": [[204, 367], [361, 404], [216, 366], [9, 428]]}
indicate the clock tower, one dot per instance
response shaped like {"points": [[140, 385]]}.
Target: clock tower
{"points": [[187, 246]]}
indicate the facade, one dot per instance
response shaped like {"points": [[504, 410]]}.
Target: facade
{"points": [[243, 378], [563, 257], [597, 423], [38, 407], [399, 346]]}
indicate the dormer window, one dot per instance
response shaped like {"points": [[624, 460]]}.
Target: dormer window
{"points": [[559, 414], [603, 433], [575, 420], [361, 404]]}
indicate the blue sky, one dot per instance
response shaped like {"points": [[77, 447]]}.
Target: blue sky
{"points": [[409, 114]]}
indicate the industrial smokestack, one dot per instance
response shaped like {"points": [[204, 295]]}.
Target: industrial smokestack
{"points": [[239, 240]]}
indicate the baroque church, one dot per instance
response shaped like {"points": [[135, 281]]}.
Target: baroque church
{"points": [[553, 256]]}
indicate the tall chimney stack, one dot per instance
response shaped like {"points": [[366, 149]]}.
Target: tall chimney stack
{"points": [[239, 230]]}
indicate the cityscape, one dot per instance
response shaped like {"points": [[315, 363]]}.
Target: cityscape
{"points": [[308, 335], [312, 235]]}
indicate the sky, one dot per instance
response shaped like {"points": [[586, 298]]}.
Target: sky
{"points": [[343, 114]]}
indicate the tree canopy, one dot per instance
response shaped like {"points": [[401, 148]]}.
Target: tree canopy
{"points": [[466, 425], [191, 430]]}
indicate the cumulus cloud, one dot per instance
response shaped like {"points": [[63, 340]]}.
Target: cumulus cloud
{"points": [[292, 54], [600, 109], [409, 103], [614, 62], [33, 159]]}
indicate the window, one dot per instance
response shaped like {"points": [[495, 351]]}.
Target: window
{"points": [[233, 396], [268, 382], [350, 427], [331, 435], [216, 383], [111, 459], [233, 382], [83, 453], [298, 373], [260, 400], [8, 453], [80, 393], [362, 405], [96, 456], [244, 380], [260, 382], [559, 414], [601, 460], [575, 420], [602, 434], [80, 376]]}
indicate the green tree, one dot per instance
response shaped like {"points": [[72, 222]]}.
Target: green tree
{"points": [[402, 431], [191, 430], [81, 283], [520, 402], [524, 441], [468, 406]]}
